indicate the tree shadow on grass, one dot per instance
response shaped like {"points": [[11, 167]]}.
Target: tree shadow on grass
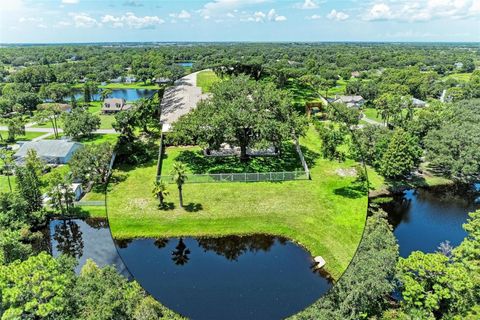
{"points": [[288, 160], [354, 191], [193, 207], [167, 206]]}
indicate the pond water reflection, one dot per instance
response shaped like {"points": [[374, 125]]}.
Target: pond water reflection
{"points": [[85, 239], [422, 219], [127, 94], [233, 277]]}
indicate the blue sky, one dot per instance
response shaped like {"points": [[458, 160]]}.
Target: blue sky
{"points": [[49, 21]]}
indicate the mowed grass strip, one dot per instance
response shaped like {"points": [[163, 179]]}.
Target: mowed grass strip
{"points": [[206, 79], [325, 215]]}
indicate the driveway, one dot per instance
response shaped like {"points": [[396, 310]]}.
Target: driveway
{"points": [[180, 99]]}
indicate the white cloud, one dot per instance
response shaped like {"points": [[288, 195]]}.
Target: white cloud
{"points": [[29, 19], [260, 16], [337, 15], [130, 20], [307, 5], [83, 20], [314, 17], [70, 1], [379, 11], [42, 26], [414, 10], [64, 23], [181, 15], [220, 7]]}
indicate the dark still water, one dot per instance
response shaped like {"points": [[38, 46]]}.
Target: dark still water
{"points": [[252, 277], [85, 239], [127, 94], [423, 219]]}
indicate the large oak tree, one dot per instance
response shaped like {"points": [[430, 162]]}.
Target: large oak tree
{"points": [[242, 113]]}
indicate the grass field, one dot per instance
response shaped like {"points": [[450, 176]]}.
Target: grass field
{"points": [[326, 215], [26, 137], [205, 80]]}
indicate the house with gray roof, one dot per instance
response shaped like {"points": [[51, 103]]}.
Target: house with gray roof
{"points": [[349, 101], [50, 151], [114, 105]]}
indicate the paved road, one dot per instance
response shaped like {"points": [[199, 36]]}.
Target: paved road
{"points": [[180, 99]]}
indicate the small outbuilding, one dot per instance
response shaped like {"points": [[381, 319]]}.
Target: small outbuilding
{"points": [[50, 151]]}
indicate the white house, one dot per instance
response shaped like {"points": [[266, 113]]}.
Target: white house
{"points": [[50, 151]]}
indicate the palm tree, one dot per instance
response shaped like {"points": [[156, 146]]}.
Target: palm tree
{"points": [[179, 176], [160, 191]]}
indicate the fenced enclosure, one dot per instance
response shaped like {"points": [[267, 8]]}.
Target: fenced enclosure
{"points": [[241, 177]]}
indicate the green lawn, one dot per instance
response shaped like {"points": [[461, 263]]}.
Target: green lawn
{"points": [[465, 76], [94, 139], [372, 114], [94, 108], [4, 183], [325, 215], [205, 80], [26, 137]]}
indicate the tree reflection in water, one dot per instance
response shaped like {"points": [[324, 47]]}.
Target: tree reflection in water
{"points": [[123, 243], [232, 247], [180, 254], [69, 238], [97, 223], [161, 243]]}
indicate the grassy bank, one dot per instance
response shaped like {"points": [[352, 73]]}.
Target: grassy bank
{"points": [[326, 215]]}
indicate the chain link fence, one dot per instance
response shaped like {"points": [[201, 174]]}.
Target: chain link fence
{"points": [[241, 177]]}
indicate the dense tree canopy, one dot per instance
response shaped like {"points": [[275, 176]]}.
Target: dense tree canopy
{"points": [[243, 113], [452, 148]]}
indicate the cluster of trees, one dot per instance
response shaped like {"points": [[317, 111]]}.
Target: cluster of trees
{"points": [[35, 285], [440, 285], [138, 128], [243, 113], [44, 287], [445, 136]]}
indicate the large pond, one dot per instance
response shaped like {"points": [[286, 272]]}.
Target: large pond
{"points": [[423, 219], [85, 239], [127, 94], [251, 277]]}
